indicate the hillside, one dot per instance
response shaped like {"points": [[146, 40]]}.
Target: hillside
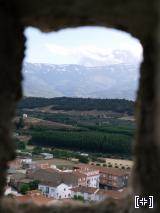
{"points": [[82, 104], [37, 122], [102, 127]]}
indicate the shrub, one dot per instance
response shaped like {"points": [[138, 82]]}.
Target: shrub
{"points": [[24, 188], [78, 197], [83, 159]]}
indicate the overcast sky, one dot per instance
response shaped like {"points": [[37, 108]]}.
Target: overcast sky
{"points": [[79, 46]]}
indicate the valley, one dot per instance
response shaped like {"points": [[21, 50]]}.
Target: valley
{"points": [[59, 123]]}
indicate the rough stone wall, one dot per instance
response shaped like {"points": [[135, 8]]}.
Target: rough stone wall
{"points": [[68, 207], [138, 17], [11, 54]]}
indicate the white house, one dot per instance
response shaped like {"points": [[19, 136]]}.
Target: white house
{"points": [[9, 190], [84, 154], [25, 115], [26, 160], [61, 191]]}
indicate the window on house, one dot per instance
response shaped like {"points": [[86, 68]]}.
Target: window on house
{"points": [[47, 189]]}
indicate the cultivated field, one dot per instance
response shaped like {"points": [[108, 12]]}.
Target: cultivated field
{"points": [[31, 121], [125, 163], [59, 163]]}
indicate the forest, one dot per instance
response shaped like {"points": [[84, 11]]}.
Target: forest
{"points": [[67, 103], [91, 141]]}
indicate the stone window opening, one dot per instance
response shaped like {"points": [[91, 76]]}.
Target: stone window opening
{"points": [[138, 18], [80, 178], [53, 63]]}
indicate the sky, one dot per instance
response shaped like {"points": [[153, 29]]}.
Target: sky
{"points": [[84, 45]]}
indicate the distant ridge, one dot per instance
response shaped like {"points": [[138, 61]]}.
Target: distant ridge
{"points": [[82, 104], [109, 81]]}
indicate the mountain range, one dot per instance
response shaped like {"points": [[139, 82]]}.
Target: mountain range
{"points": [[114, 80]]}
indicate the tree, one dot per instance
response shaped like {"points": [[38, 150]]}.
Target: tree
{"points": [[33, 185], [37, 150], [83, 159], [20, 145], [78, 197], [24, 188]]}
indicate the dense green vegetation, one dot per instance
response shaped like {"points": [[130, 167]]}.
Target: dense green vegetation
{"points": [[87, 141], [78, 197], [24, 188], [66, 103], [19, 124], [103, 132], [92, 122], [19, 144]]}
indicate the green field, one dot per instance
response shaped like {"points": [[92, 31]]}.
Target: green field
{"points": [[97, 131]]}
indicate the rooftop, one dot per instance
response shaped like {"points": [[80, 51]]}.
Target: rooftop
{"points": [[117, 195], [112, 171], [52, 177], [84, 189], [38, 199]]}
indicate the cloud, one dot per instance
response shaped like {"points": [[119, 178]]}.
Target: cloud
{"points": [[97, 56], [57, 49], [136, 49]]}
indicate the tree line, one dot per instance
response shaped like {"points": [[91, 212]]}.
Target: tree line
{"points": [[86, 141], [68, 103]]}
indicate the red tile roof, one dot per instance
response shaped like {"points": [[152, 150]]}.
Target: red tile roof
{"points": [[51, 170], [38, 199], [79, 174], [112, 171], [34, 192], [84, 189], [16, 164], [118, 195]]}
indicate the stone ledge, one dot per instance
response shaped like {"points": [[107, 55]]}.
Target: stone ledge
{"points": [[7, 205]]}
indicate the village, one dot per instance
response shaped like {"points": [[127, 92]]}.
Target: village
{"points": [[42, 181], [45, 175]]}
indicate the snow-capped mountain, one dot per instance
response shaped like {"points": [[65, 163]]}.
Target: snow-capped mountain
{"points": [[117, 80]]}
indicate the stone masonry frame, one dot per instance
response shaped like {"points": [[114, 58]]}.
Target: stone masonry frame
{"points": [[141, 18]]}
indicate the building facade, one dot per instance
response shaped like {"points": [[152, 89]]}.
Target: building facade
{"points": [[61, 191]]}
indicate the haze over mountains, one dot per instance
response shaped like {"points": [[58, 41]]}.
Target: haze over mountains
{"points": [[117, 78]]}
